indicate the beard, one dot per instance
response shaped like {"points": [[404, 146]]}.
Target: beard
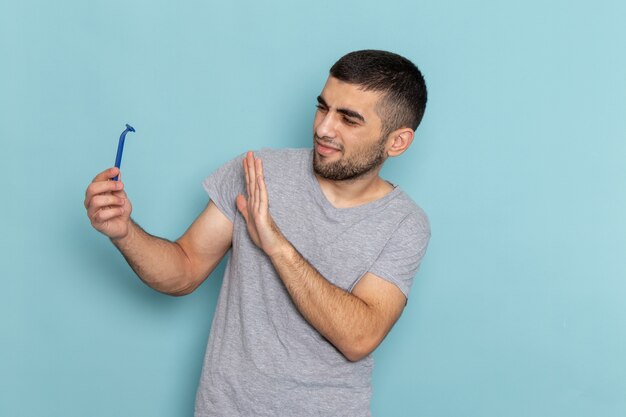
{"points": [[363, 161]]}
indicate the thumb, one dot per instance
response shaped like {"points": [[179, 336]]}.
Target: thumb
{"points": [[242, 206]]}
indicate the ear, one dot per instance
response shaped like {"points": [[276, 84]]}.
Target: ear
{"points": [[399, 140]]}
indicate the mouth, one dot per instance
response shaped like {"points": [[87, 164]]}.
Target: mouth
{"points": [[324, 149]]}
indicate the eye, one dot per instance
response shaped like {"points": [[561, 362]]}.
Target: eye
{"points": [[350, 121], [321, 108]]}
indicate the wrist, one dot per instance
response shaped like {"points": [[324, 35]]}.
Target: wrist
{"points": [[125, 240], [282, 249]]}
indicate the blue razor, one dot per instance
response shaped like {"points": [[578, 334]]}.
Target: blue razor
{"points": [[120, 147]]}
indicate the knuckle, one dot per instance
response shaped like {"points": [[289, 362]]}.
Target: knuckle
{"points": [[96, 201], [99, 216], [89, 204]]}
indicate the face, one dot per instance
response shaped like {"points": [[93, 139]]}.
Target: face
{"points": [[347, 132]]}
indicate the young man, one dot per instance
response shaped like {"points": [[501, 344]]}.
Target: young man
{"points": [[323, 251]]}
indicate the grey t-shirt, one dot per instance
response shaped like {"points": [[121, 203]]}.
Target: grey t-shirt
{"points": [[263, 358]]}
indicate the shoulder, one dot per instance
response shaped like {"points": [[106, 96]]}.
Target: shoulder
{"points": [[408, 213]]}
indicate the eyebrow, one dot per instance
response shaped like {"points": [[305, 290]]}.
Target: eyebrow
{"points": [[347, 112]]}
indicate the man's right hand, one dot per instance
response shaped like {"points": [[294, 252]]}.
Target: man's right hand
{"points": [[108, 207]]}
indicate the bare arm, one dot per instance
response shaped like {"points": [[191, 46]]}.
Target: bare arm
{"points": [[355, 323], [175, 268]]}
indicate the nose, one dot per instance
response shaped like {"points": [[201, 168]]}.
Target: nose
{"points": [[325, 125]]}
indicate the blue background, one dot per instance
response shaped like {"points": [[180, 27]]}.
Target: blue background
{"points": [[519, 308]]}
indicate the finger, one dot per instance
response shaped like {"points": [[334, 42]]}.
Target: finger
{"points": [[251, 182], [100, 201], [107, 174], [242, 206], [251, 174], [263, 199], [245, 170], [121, 194], [101, 187], [257, 187], [104, 215]]}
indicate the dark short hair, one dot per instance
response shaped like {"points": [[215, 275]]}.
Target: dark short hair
{"points": [[398, 79]]}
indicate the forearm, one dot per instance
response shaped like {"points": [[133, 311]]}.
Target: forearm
{"points": [[161, 264], [343, 319]]}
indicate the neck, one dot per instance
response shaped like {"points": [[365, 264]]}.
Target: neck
{"points": [[355, 192]]}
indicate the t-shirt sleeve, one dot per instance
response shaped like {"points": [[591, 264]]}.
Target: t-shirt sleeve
{"points": [[225, 184], [400, 259]]}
